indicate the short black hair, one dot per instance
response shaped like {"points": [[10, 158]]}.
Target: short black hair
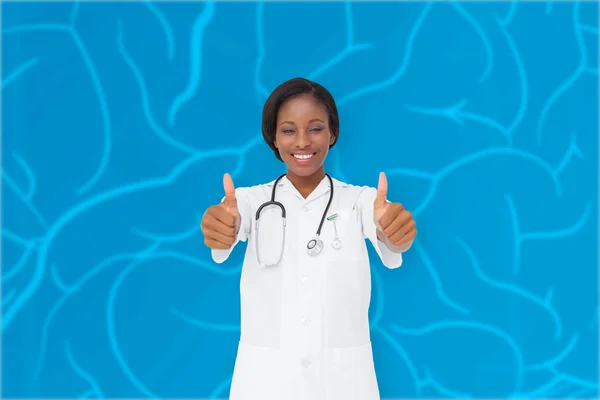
{"points": [[288, 90]]}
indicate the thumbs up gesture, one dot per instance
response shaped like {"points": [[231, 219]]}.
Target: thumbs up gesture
{"points": [[391, 219], [221, 222]]}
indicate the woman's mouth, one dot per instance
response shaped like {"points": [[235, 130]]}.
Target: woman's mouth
{"points": [[303, 157]]}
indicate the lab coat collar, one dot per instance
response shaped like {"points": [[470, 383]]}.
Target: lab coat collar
{"points": [[322, 188]]}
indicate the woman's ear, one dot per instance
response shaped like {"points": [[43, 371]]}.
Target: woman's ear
{"points": [[332, 138]]}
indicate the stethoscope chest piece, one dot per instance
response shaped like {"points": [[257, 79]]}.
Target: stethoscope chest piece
{"points": [[314, 246]]}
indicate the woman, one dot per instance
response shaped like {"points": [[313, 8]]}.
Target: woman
{"points": [[304, 308]]}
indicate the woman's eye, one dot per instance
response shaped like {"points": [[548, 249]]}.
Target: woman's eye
{"points": [[316, 129], [287, 131]]}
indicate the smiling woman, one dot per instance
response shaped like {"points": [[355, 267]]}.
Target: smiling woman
{"points": [[301, 124], [305, 294]]}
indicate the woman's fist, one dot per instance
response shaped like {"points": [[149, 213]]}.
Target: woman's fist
{"points": [[221, 222]]}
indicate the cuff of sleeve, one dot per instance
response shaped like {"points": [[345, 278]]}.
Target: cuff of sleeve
{"points": [[389, 258]]}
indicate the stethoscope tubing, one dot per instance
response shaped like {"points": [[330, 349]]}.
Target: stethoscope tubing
{"points": [[314, 246]]}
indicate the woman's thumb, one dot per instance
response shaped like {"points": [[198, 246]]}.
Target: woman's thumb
{"points": [[382, 187], [230, 200]]}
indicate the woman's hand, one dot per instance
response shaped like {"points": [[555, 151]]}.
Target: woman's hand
{"points": [[221, 223], [395, 223]]}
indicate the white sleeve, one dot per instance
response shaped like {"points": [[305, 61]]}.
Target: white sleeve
{"points": [[365, 202], [245, 210]]}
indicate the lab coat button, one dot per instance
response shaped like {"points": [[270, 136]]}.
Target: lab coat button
{"points": [[304, 279], [305, 363], [305, 209], [305, 320]]}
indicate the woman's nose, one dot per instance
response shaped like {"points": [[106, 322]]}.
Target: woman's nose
{"points": [[302, 139]]}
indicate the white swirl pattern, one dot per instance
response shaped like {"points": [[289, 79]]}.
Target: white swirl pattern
{"points": [[120, 119]]}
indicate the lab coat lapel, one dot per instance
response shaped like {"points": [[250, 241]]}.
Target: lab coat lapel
{"points": [[286, 186]]}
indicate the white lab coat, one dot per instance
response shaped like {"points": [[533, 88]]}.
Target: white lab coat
{"points": [[304, 324]]}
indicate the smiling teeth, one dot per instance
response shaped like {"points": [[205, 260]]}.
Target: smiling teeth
{"points": [[303, 156]]}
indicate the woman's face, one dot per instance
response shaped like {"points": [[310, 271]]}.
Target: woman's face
{"points": [[303, 137]]}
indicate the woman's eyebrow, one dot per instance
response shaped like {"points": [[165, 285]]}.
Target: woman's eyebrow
{"points": [[311, 121]]}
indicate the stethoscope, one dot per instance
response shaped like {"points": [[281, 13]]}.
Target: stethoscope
{"points": [[314, 246]]}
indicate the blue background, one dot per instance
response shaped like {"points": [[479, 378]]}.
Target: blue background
{"points": [[119, 121]]}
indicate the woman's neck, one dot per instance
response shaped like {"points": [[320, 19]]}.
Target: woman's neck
{"points": [[306, 184]]}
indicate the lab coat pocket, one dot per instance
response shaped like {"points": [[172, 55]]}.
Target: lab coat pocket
{"points": [[342, 236], [256, 373], [347, 282], [347, 303], [351, 374]]}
